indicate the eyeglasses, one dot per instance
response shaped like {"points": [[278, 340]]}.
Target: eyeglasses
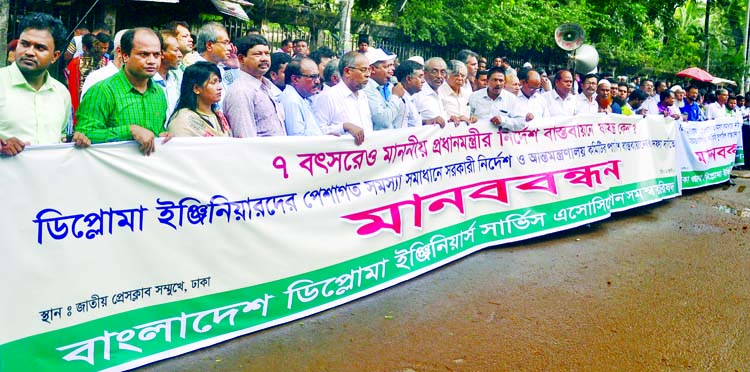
{"points": [[311, 77], [363, 70], [225, 42], [438, 72]]}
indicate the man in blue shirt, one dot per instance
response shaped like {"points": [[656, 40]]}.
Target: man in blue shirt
{"points": [[302, 82], [691, 108]]}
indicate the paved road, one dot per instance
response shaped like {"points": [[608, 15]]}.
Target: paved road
{"points": [[661, 288]]}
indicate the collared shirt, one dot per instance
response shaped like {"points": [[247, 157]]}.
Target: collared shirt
{"points": [[652, 105], [428, 103], [535, 104], [584, 106], [98, 75], [411, 117], [36, 116], [171, 87], [693, 111], [385, 114], [557, 106], [715, 111], [251, 110], [340, 105], [455, 104], [484, 107], [114, 104], [298, 115]]}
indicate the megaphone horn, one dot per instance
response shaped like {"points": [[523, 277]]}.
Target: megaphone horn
{"points": [[569, 36], [586, 59]]}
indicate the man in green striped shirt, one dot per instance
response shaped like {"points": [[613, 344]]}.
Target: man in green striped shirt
{"points": [[128, 105]]}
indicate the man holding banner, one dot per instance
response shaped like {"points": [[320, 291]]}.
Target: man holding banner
{"points": [[34, 107]]}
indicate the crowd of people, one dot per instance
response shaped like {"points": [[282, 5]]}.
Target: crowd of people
{"points": [[142, 84]]}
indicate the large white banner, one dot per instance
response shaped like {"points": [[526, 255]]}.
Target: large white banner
{"points": [[114, 260]]}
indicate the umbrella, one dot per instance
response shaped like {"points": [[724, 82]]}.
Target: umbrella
{"points": [[719, 81], [697, 74]]}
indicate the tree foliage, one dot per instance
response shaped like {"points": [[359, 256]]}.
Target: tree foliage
{"points": [[635, 37]]}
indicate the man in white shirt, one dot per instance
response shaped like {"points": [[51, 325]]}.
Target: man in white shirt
{"points": [[495, 103], [112, 67], [385, 99], [718, 109], [427, 100], [652, 102], [410, 75], [560, 101], [454, 96], [342, 109], [530, 102], [586, 102], [469, 58]]}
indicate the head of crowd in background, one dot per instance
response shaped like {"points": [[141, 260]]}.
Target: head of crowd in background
{"points": [[213, 43], [411, 76], [171, 55], [636, 98], [331, 75], [481, 80], [471, 60], [300, 48], [287, 46], [647, 86], [322, 56], [184, 39], [277, 72], [200, 81], [530, 81], [363, 43]]}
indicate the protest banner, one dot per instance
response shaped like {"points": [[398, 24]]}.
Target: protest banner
{"points": [[118, 260]]}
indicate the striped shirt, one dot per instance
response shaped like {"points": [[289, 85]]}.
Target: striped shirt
{"points": [[110, 107]]}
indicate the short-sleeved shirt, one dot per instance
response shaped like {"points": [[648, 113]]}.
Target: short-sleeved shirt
{"points": [[110, 107], [298, 115], [35, 116]]}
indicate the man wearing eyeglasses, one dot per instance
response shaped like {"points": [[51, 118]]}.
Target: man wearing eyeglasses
{"points": [[302, 82], [385, 98], [586, 102], [213, 45], [249, 106], [427, 100], [343, 108]]}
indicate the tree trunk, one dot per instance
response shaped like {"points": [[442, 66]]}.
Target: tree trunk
{"points": [[4, 12]]}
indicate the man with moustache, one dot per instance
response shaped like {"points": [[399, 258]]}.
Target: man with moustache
{"points": [[169, 75], [718, 109], [427, 100], [529, 102], [302, 82], [481, 80], [250, 106], [343, 108], [586, 102], [496, 104], [106, 113], [469, 58], [34, 108], [184, 42], [385, 99], [410, 75], [691, 110], [560, 101]]}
